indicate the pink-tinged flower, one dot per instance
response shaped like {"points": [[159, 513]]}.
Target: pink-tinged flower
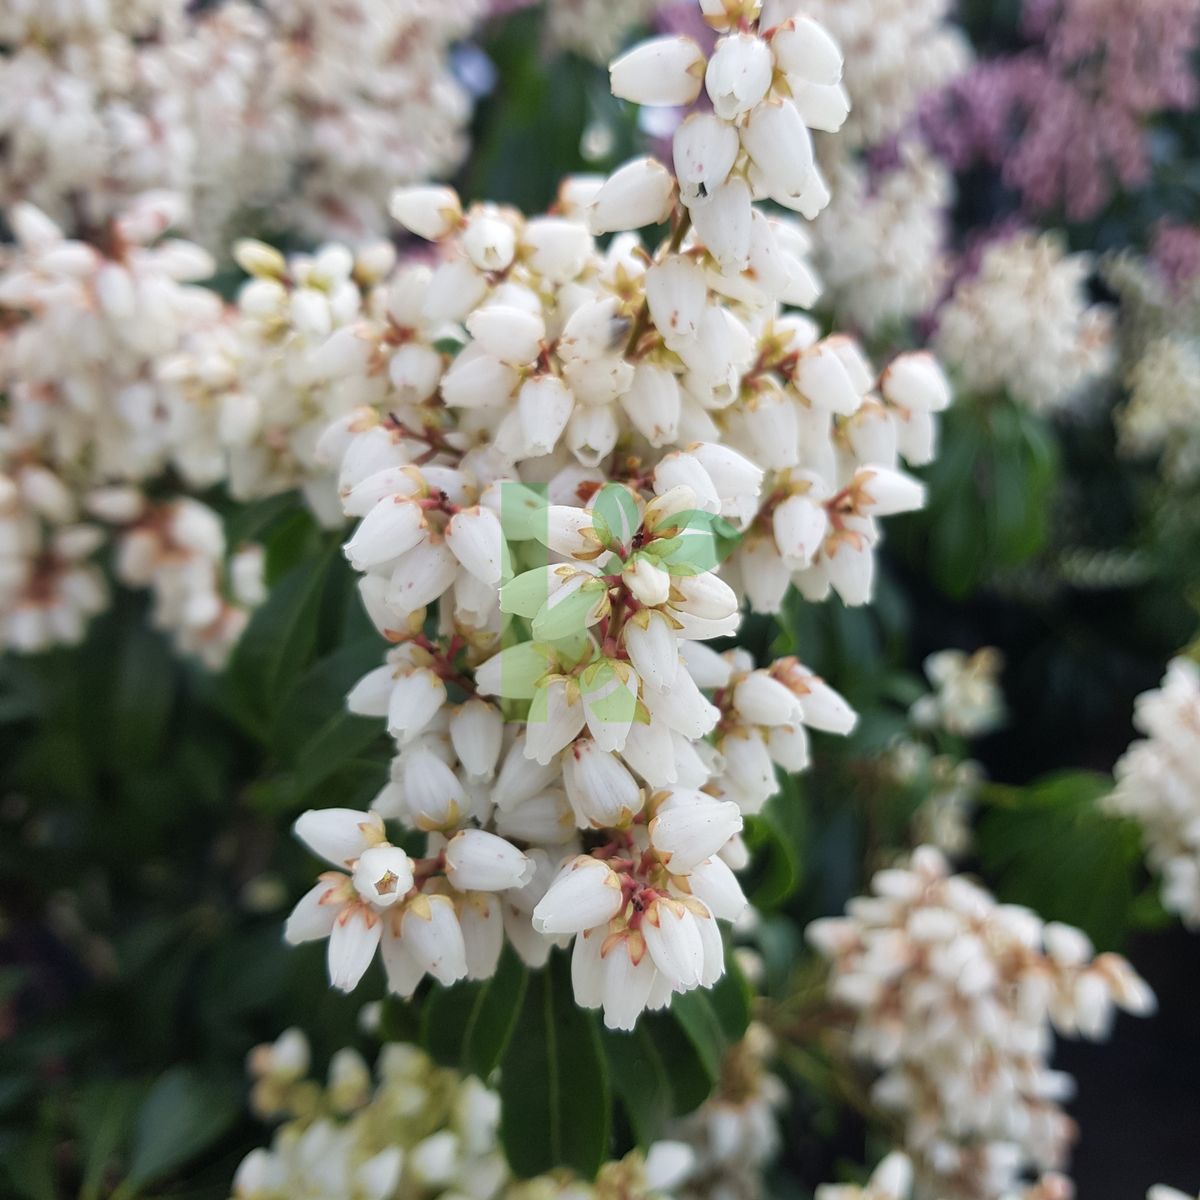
{"points": [[1065, 120], [1176, 254]]}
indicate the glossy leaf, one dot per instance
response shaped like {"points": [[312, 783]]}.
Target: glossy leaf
{"points": [[554, 1081]]}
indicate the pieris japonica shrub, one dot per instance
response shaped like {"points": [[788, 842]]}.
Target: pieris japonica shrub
{"points": [[542, 684]]}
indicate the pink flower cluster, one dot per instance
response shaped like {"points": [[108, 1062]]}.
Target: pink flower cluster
{"points": [[1065, 119], [1176, 255]]}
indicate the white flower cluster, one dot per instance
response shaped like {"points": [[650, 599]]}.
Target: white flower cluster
{"points": [[373, 100], [734, 1134], [1161, 1191], [892, 1179], [89, 420], [897, 51], [954, 998], [1158, 786], [595, 29], [414, 1130], [882, 240], [1023, 325], [966, 701], [557, 444], [312, 109], [947, 787], [252, 394], [1162, 414]]}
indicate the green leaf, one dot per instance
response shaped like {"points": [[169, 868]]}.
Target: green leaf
{"points": [[445, 1016], [278, 643], [640, 1080], [184, 1114], [777, 836], [731, 999], [312, 731], [1050, 846], [105, 1114], [468, 1026], [616, 516], [526, 595], [553, 1081], [141, 699], [521, 668], [698, 1020], [495, 1016], [691, 1076], [568, 613], [523, 512]]}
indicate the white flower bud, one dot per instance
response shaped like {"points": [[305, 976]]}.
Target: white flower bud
{"points": [[824, 709], [592, 433], [761, 700], [763, 574], [478, 380], [603, 794], [416, 699], [820, 106], [778, 141], [482, 922], [647, 582], [799, 524], [640, 193], [706, 595], [822, 378], [654, 403], [893, 1178], [510, 334], [433, 795], [557, 249], [704, 150], [739, 74], [313, 917], [673, 940], [788, 746], [33, 229], [650, 642], [724, 222], [916, 381], [352, 944], [454, 289], [693, 828], [586, 893], [883, 492], [477, 541], [421, 576], [803, 48], [339, 835], [433, 936], [713, 882], [383, 875], [683, 707], [661, 72], [489, 242], [477, 861], [522, 776], [429, 212], [392, 528], [259, 259], [544, 404], [627, 984], [477, 734]]}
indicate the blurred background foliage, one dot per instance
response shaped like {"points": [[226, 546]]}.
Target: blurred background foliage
{"points": [[146, 861]]}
